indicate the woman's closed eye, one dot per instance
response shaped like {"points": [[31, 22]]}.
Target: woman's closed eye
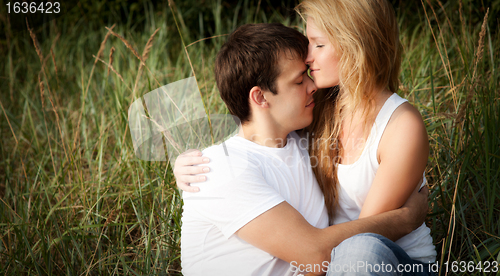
{"points": [[319, 46]]}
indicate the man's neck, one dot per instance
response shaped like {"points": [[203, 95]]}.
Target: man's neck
{"points": [[264, 134]]}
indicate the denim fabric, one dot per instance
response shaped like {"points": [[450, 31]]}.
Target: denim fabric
{"points": [[372, 254]]}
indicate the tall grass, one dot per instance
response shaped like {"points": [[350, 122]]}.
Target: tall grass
{"points": [[74, 198], [450, 72]]}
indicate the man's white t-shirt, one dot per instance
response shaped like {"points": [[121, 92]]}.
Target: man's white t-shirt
{"points": [[246, 180]]}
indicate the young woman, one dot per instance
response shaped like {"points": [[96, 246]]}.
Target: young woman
{"points": [[368, 146]]}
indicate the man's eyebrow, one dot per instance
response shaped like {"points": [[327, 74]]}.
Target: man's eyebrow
{"points": [[301, 73]]}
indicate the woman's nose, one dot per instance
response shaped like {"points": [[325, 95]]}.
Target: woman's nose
{"points": [[309, 58]]}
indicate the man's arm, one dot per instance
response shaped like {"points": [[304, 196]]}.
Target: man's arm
{"points": [[284, 233]]}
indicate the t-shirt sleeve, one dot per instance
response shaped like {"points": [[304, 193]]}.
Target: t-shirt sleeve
{"points": [[234, 194]]}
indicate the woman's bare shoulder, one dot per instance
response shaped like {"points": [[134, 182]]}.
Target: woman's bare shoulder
{"points": [[406, 129], [406, 117]]}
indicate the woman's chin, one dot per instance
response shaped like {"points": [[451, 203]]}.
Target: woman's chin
{"points": [[324, 82], [319, 84]]}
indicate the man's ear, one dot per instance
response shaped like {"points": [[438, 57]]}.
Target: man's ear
{"points": [[257, 97]]}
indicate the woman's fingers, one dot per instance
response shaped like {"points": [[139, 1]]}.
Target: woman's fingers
{"points": [[194, 170], [185, 165], [185, 172], [188, 160], [192, 152], [187, 188], [189, 174], [191, 178]]}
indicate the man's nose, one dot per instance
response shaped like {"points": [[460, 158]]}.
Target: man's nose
{"points": [[311, 86]]}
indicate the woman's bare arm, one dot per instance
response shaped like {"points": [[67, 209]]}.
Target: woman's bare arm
{"points": [[402, 153]]}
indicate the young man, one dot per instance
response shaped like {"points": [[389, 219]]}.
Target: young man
{"points": [[262, 212]]}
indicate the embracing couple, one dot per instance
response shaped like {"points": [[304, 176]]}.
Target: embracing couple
{"points": [[341, 196]]}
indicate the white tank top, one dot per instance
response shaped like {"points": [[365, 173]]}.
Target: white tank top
{"points": [[356, 179]]}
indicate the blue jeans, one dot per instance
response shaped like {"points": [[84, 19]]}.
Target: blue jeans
{"points": [[372, 254]]}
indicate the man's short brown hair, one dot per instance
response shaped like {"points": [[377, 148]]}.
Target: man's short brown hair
{"points": [[250, 57]]}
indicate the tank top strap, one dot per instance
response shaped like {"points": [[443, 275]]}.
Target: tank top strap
{"points": [[383, 117], [385, 114]]}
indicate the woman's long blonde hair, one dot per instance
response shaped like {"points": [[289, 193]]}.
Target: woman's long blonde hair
{"points": [[365, 33]]}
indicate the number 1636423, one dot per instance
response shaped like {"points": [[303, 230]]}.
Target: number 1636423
{"points": [[470, 267], [33, 7]]}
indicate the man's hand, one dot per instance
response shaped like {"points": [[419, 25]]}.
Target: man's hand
{"points": [[417, 207], [185, 171]]}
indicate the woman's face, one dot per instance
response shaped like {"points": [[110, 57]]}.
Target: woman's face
{"points": [[322, 57]]}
